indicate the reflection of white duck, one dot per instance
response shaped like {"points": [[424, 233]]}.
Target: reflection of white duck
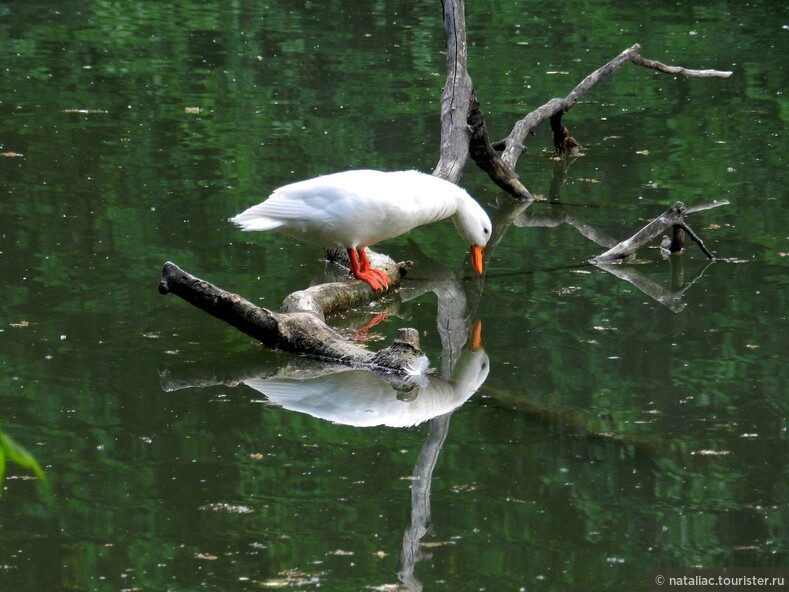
{"points": [[355, 209], [363, 399], [430, 275]]}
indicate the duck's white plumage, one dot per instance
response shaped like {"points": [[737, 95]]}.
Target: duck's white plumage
{"points": [[356, 209]]}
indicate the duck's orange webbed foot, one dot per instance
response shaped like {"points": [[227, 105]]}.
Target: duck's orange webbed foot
{"points": [[360, 269]]}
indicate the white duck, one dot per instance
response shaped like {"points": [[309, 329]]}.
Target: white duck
{"points": [[356, 209]]}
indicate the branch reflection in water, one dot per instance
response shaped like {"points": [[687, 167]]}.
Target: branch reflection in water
{"points": [[364, 399]]}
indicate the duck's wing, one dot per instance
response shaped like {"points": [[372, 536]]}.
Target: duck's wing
{"points": [[307, 206], [281, 209], [353, 208]]}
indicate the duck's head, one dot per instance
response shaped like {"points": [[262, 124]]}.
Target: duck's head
{"points": [[474, 226]]}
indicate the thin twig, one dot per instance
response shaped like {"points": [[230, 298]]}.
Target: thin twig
{"points": [[655, 65], [682, 224]]}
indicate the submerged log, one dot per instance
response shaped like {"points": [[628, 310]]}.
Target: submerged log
{"points": [[333, 297], [299, 332]]}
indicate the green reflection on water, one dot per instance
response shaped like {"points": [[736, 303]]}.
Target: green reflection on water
{"points": [[612, 434]]}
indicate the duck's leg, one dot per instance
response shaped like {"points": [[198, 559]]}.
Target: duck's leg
{"points": [[360, 269], [365, 265]]}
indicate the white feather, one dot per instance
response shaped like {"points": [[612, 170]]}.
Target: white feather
{"points": [[356, 209]]}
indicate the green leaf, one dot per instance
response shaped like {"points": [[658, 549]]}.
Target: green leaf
{"points": [[18, 455]]}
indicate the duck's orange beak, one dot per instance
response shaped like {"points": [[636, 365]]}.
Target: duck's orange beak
{"points": [[476, 258]]}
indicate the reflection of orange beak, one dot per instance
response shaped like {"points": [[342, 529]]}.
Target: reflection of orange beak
{"points": [[476, 258], [475, 335]]}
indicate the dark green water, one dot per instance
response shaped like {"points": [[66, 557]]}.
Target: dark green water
{"points": [[612, 433]]}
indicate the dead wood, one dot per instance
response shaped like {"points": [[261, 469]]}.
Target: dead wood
{"points": [[298, 332], [563, 142], [553, 110], [333, 297], [673, 219], [456, 96], [655, 65], [513, 143], [486, 157]]}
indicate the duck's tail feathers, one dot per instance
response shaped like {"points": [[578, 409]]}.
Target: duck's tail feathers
{"points": [[249, 220]]}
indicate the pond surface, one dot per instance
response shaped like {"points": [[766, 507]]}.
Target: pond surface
{"points": [[606, 427]]}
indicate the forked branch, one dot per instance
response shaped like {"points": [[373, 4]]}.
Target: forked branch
{"points": [[673, 219]]}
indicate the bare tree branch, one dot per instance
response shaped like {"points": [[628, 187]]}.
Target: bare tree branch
{"points": [[655, 65], [673, 218], [514, 142], [332, 297], [456, 96], [483, 153]]}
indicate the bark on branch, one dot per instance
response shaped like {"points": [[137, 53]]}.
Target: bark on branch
{"points": [[513, 143], [486, 157], [672, 219], [298, 332], [333, 297], [456, 96], [655, 65]]}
